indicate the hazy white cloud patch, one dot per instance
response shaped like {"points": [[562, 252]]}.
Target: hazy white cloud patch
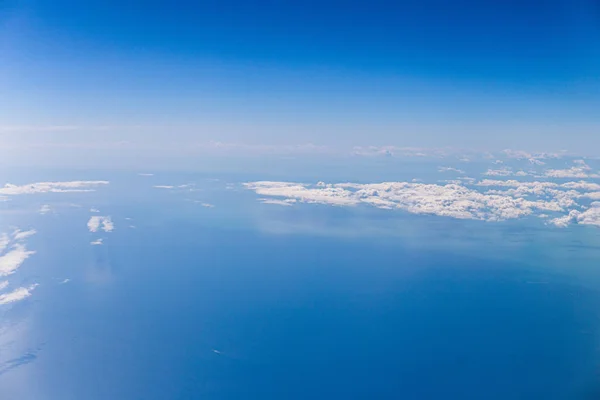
{"points": [[4, 241], [3, 285], [286, 202], [17, 294], [163, 187], [97, 242], [22, 235], [94, 210], [96, 223], [67, 280], [145, 174], [51, 187], [451, 169], [505, 171], [45, 209]]}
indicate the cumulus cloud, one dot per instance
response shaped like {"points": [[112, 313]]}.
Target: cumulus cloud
{"points": [[573, 172], [17, 294], [499, 172], [96, 223], [450, 200], [50, 187], [591, 216]]}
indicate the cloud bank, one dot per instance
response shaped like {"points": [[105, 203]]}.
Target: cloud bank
{"points": [[50, 187], [486, 200]]}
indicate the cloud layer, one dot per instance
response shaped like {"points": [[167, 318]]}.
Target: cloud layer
{"points": [[486, 200], [50, 187]]}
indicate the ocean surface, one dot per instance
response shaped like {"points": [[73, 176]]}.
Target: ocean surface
{"points": [[244, 300]]}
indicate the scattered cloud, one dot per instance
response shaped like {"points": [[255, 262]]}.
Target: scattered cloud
{"points": [[94, 210], [17, 294], [451, 169], [505, 171], [13, 259], [99, 222], [144, 174], [3, 285], [591, 216], [67, 280], [22, 235], [97, 242], [50, 187], [45, 209], [573, 172], [286, 202], [164, 187]]}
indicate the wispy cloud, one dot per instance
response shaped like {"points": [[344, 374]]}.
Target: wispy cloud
{"points": [[97, 242], [45, 209], [451, 169], [12, 260], [22, 235], [17, 294]]}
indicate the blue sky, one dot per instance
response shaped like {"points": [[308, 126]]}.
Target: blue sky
{"points": [[429, 73]]}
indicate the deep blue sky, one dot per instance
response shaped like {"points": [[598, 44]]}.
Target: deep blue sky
{"points": [[422, 73]]}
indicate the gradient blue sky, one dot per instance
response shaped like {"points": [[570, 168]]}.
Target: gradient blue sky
{"points": [[495, 74]]}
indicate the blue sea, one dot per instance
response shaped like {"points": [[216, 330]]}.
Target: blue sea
{"points": [[245, 300]]}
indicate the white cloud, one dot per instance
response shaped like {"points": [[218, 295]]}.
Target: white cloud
{"points": [[67, 280], [144, 174], [163, 187], [450, 200], [99, 222], [4, 241], [581, 185], [499, 172], [573, 172], [286, 202], [451, 169], [207, 205], [50, 187], [97, 242], [17, 294], [12, 260], [94, 210], [45, 209], [22, 235], [3, 285], [591, 216]]}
